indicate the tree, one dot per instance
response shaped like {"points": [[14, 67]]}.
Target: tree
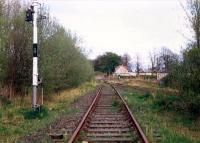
{"points": [[138, 65], [107, 62], [165, 59], [61, 62], [153, 59], [191, 68], [15, 47], [193, 14], [184, 74], [126, 60]]}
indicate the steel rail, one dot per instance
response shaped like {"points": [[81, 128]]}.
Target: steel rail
{"points": [[76, 132], [136, 124], [134, 121]]}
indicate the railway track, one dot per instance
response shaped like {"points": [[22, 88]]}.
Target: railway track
{"points": [[108, 119]]}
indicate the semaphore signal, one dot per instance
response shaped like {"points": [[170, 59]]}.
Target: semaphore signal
{"points": [[32, 17]]}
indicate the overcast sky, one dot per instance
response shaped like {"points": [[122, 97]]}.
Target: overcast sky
{"points": [[135, 27]]}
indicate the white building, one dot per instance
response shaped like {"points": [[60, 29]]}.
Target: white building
{"points": [[161, 75], [121, 70]]}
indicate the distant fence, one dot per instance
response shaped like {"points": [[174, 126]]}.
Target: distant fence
{"points": [[158, 76]]}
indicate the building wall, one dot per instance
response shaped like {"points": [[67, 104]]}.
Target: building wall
{"points": [[121, 70], [161, 75]]}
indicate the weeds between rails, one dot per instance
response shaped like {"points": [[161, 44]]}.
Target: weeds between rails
{"points": [[108, 119]]}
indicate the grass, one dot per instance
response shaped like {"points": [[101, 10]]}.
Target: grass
{"points": [[145, 85], [18, 120], [161, 125], [115, 105]]}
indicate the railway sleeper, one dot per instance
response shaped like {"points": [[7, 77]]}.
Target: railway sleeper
{"points": [[109, 130], [109, 134], [107, 126], [109, 139], [105, 121]]}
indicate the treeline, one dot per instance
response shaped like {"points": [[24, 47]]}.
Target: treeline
{"points": [[184, 70], [107, 62], [61, 62]]}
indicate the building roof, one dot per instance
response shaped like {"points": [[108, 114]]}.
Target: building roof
{"points": [[121, 69]]}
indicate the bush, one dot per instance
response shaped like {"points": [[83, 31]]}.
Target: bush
{"points": [[182, 104], [169, 102], [62, 62], [146, 96], [4, 101], [193, 104], [115, 103], [33, 114]]}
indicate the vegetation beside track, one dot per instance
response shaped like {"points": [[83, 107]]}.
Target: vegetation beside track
{"points": [[14, 125], [161, 124], [62, 61]]}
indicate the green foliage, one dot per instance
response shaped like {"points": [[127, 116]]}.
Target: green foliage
{"points": [[169, 125], [184, 74], [115, 103], [169, 102], [106, 63], [4, 101], [62, 63], [14, 126], [33, 114], [146, 96], [192, 70], [188, 104], [3, 130]]}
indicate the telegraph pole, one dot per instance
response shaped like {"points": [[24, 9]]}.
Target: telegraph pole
{"points": [[35, 54]]}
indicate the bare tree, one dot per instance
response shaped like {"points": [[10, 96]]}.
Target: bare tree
{"points": [[165, 59], [126, 59], [138, 65], [193, 14], [153, 59]]}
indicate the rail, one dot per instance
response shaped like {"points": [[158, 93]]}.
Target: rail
{"points": [[136, 124], [76, 132], [92, 106]]}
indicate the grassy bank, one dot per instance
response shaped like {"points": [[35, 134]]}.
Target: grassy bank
{"points": [[145, 85], [161, 125], [16, 116]]}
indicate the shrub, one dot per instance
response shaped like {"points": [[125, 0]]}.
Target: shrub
{"points": [[62, 62], [146, 96], [193, 104], [33, 114], [115, 103], [182, 104], [168, 102], [4, 101]]}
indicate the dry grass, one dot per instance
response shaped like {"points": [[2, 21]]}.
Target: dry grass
{"points": [[13, 125], [145, 85], [70, 95], [172, 127]]}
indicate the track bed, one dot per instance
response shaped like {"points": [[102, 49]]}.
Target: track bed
{"points": [[107, 120]]}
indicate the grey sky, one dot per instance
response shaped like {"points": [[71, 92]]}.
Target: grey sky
{"points": [[123, 26]]}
